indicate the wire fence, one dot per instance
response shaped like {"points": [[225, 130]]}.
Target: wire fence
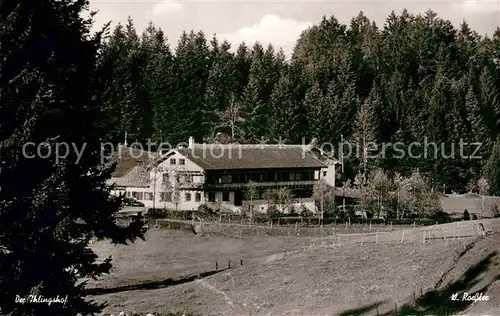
{"points": [[339, 234]]}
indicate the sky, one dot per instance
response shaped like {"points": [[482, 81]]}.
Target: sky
{"points": [[278, 22]]}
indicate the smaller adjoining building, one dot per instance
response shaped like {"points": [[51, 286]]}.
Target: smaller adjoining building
{"points": [[221, 176]]}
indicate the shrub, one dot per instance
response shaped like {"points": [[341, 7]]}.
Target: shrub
{"points": [[158, 213], [305, 212], [205, 212], [441, 217], [466, 216], [495, 211], [272, 212]]}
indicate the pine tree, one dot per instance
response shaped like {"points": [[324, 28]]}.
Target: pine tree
{"points": [[492, 169], [313, 103], [283, 111], [51, 207], [365, 133], [220, 88]]}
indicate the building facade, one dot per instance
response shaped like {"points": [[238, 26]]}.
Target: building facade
{"points": [[223, 177]]}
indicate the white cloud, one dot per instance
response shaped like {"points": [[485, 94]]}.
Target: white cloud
{"points": [[477, 6], [281, 32], [167, 7]]}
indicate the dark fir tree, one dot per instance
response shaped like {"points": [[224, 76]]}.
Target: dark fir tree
{"points": [[50, 208]]}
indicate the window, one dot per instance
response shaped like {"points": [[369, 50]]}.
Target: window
{"points": [[188, 178], [182, 161], [211, 196], [225, 196], [137, 195], [188, 196], [128, 194], [295, 176], [226, 178], [148, 196], [165, 178], [166, 197], [324, 173], [197, 197], [172, 161]]}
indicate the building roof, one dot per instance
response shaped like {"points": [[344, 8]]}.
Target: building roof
{"points": [[237, 156], [129, 157], [137, 177]]}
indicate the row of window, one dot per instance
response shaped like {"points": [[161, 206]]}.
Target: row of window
{"points": [[173, 161], [169, 196], [263, 177], [164, 196], [179, 178]]}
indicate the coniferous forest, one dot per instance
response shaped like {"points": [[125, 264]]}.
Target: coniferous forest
{"points": [[415, 78]]}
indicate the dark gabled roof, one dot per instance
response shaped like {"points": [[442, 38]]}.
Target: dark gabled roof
{"points": [[129, 157], [236, 156]]}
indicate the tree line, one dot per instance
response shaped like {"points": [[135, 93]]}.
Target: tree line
{"points": [[416, 77]]}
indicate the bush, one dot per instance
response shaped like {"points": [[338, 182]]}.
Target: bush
{"points": [[495, 211], [155, 213], [305, 212], [466, 216], [205, 212], [474, 216], [441, 217]]}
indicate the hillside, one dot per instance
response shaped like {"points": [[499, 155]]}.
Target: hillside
{"points": [[333, 281]]}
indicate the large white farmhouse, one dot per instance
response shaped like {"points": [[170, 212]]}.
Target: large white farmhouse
{"points": [[220, 175]]}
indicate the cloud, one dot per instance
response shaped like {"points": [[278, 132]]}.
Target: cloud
{"points": [[477, 6], [167, 7], [281, 32]]}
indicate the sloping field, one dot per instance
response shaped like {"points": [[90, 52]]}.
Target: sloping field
{"points": [[176, 253], [282, 276], [323, 281]]}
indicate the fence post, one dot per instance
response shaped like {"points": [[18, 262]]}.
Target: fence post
{"points": [[403, 237], [216, 266], [338, 242], [370, 225], [346, 225], [229, 264], [376, 237], [423, 238], [241, 262], [361, 240]]}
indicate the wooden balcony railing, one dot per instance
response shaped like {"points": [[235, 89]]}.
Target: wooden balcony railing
{"points": [[276, 184]]}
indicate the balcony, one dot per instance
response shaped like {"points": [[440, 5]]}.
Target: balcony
{"points": [[277, 184]]}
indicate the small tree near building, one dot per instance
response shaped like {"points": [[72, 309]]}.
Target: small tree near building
{"points": [[251, 195], [323, 195]]}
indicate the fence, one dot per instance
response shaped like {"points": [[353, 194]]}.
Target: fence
{"points": [[339, 235]]}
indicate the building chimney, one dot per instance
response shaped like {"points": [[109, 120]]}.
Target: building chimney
{"points": [[191, 142]]}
